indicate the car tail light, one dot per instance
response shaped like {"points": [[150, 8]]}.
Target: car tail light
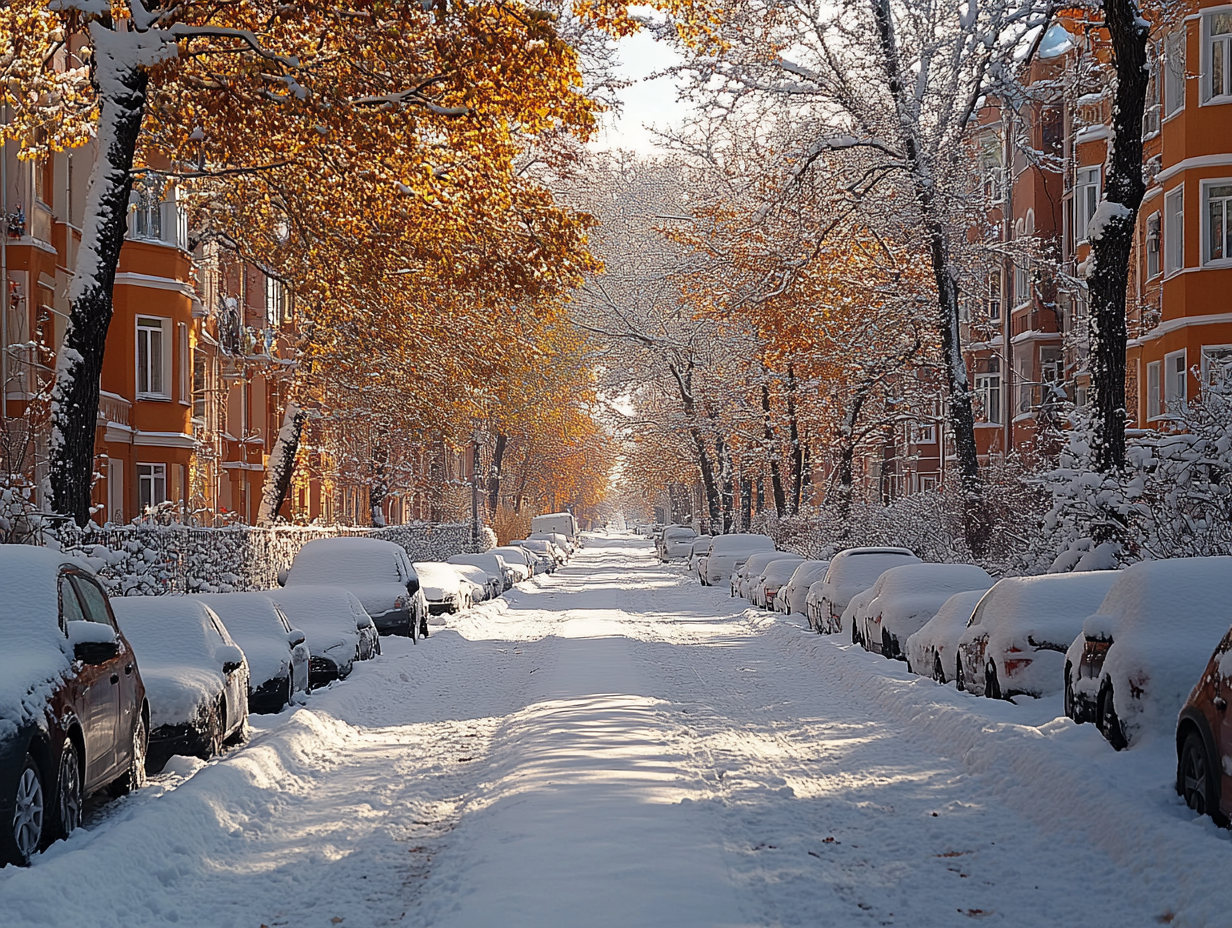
{"points": [[400, 602], [1014, 664]]}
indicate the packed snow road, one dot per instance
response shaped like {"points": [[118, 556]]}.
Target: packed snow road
{"points": [[615, 745]]}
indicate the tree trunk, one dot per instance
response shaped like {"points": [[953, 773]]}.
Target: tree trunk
{"points": [[494, 473], [74, 406], [797, 449], [772, 454], [726, 495], [378, 488], [746, 500], [282, 463], [1112, 235]]}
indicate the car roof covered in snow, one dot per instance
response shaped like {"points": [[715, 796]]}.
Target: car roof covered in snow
{"points": [[176, 640], [329, 616], [259, 627], [474, 574], [348, 561], [857, 569], [942, 630], [780, 569], [1045, 609], [740, 543], [491, 563], [809, 572], [34, 651]]}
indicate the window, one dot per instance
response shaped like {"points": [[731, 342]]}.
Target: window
{"points": [[1217, 365], [1174, 230], [275, 303], [994, 295], [199, 384], [928, 482], [1051, 365], [94, 600], [1174, 382], [1153, 408], [1174, 72], [1217, 52], [1086, 201], [153, 358], [924, 433], [151, 485], [1153, 245], [1080, 397], [1150, 112], [185, 364], [988, 393], [1218, 230], [1022, 282], [70, 605], [147, 208]]}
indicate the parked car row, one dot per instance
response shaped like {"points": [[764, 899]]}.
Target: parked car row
{"points": [[95, 693], [1144, 651]]}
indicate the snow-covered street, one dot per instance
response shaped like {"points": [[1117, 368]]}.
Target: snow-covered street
{"points": [[615, 745]]}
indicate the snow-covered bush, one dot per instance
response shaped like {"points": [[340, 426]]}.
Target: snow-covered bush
{"points": [[151, 558]]}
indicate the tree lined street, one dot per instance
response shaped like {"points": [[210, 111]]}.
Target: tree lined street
{"points": [[614, 745]]}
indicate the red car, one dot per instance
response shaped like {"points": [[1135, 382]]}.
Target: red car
{"points": [[1204, 738], [73, 713]]}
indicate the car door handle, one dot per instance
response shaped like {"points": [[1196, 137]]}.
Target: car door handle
{"points": [[115, 678]]}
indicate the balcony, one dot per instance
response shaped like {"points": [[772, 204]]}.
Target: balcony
{"points": [[114, 409]]}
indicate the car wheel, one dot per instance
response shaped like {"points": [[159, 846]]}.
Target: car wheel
{"points": [[992, 686], [134, 778], [28, 828], [1106, 719], [1198, 779], [378, 645], [938, 670], [855, 632], [1069, 692], [214, 731], [68, 796], [960, 678], [887, 644], [423, 626]]}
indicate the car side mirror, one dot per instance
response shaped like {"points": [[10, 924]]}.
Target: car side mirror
{"points": [[295, 637], [232, 658], [93, 642], [282, 577]]}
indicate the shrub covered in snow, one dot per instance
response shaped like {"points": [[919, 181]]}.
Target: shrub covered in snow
{"points": [[151, 559]]}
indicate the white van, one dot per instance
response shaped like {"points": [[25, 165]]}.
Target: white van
{"points": [[562, 523]]}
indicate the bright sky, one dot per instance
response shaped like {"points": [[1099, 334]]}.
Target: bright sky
{"points": [[646, 102]]}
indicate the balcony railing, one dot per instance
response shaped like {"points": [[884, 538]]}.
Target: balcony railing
{"points": [[114, 408]]}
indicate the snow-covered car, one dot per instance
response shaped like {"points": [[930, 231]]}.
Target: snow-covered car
{"points": [[563, 523], [766, 585], [850, 572], [521, 561], [338, 631], [931, 650], [277, 653], [1138, 657], [677, 542], [484, 587], [698, 549], [905, 598], [196, 676], [729, 552], [444, 587], [543, 552], [60, 650], [1016, 640], [378, 572], [746, 574], [1204, 738], [492, 564], [793, 595], [561, 541]]}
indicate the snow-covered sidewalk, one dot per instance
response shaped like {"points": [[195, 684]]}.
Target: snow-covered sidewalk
{"points": [[615, 745]]}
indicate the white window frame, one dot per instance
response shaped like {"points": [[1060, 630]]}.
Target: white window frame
{"points": [[1023, 291], [1088, 177], [185, 352], [1154, 390], [1152, 110], [275, 303], [1174, 400], [1204, 216], [985, 386], [1154, 245], [1209, 41], [994, 295], [1174, 72], [925, 433], [151, 477], [1213, 373], [1174, 231], [147, 325]]}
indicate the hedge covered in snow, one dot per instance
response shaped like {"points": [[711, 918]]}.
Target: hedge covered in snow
{"points": [[150, 559]]}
